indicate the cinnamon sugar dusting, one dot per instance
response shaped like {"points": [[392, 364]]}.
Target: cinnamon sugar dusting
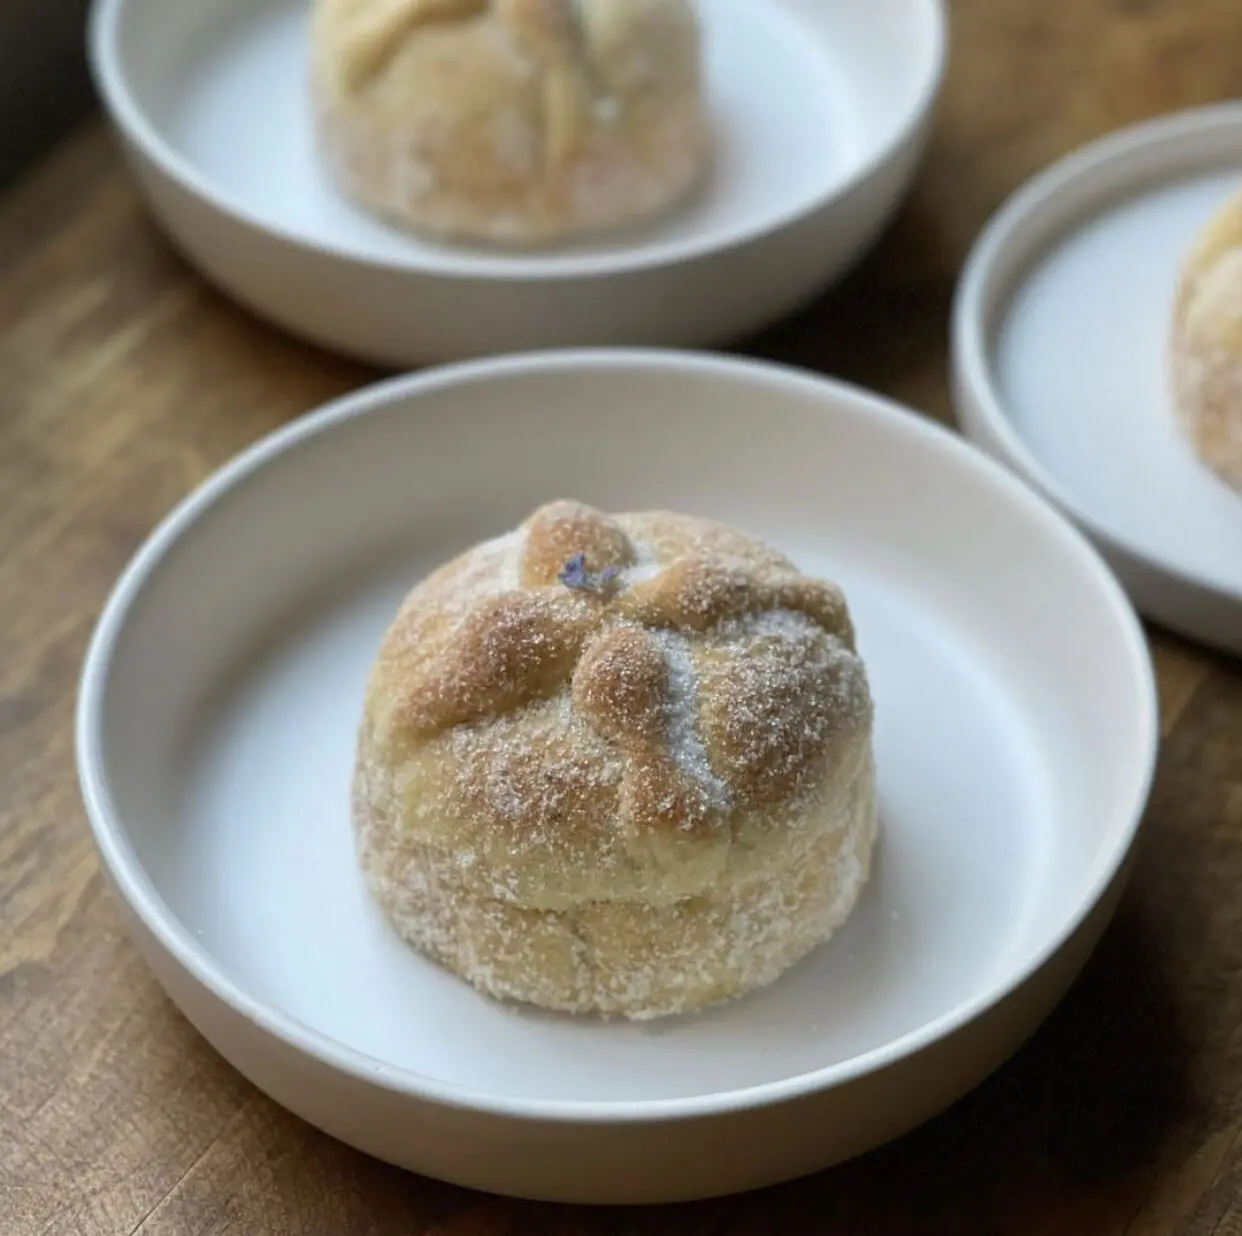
{"points": [[766, 659]]}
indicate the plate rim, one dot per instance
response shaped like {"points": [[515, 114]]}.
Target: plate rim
{"points": [[176, 941], [977, 396], [112, 85]]}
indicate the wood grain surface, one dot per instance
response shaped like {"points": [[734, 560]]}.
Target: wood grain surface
{"points": [[124, 380]]}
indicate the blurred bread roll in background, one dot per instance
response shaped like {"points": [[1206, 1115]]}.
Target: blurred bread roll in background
{"points": [[1206, 347], [617, 765], [517, 122]]}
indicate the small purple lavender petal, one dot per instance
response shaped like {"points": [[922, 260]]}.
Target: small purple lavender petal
{"points": [[575, 575]]}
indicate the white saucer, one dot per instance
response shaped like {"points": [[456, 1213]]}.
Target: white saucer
{"points": [[1060, 350], [1016, 738], [821, 107]]}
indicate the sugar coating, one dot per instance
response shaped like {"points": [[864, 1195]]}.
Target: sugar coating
{"points": [[632, 801], [681, 709]]}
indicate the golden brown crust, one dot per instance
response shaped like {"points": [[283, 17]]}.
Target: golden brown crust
{"points": [[517, 121], [1206, 344], [593, 710], [512, 650], [509, 650]]}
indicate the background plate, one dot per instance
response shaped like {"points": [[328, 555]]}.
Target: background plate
{"points": [[820, 106], [1060, 349]]}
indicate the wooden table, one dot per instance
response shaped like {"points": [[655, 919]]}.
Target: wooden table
{"points": [[124, 381]]}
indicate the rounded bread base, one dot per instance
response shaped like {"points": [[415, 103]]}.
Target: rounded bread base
{"points": [[633, 959], [605, 188]]}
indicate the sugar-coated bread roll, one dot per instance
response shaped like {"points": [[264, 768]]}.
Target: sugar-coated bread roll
{"points": [[1206, 350], [511, 121], [617, 765]]}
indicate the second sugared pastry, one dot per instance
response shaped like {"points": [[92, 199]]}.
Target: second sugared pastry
{"points": [[519, 122]]}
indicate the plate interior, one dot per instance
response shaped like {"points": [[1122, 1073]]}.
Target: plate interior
{"points": [[1080, 354], [1006, 752], [225, 85]]}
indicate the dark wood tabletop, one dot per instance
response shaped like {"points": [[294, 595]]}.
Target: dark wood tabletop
{"points": [[125, 380]]}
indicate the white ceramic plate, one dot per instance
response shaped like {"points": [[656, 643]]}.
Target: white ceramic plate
{"points": [[821, 109], [1015, 741], [1060, 352]]}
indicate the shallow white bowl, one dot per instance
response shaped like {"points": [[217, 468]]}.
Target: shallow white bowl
{"points": [[1016, 736], [1060, 346], [821, 109]]}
